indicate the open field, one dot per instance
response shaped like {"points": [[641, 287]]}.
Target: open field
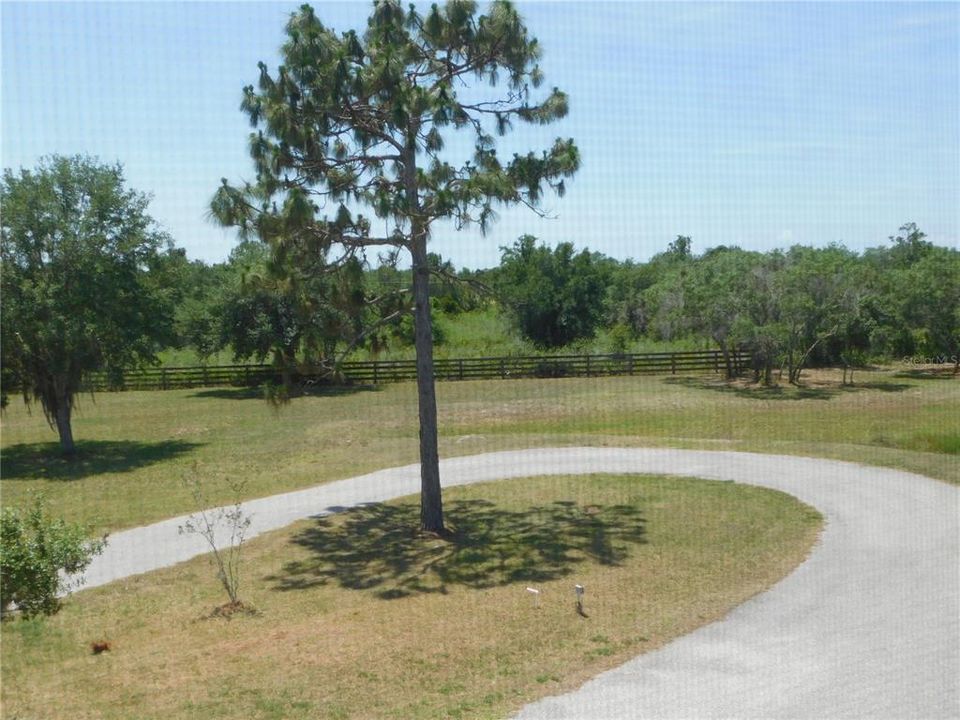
{"points": [[359, 617], [136, 447], [477, 333]]}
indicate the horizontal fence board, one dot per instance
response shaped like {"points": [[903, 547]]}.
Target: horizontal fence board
{"points": [[383, 371]]}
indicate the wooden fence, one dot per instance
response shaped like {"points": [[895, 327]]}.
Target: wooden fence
{"points": [[383, 371]]}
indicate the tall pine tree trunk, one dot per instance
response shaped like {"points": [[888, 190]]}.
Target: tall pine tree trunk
{"points": [[431, 504]]}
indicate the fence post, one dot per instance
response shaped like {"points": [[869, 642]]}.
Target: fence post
{"points": [[460, 368], [163, 378], [716, 361], [588, 366], [503, 369], [673, 363]]}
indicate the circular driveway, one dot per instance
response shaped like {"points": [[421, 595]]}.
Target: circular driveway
{"points": [[868, 626]]}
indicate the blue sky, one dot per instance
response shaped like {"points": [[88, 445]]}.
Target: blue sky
{"points": [[755, 124]]}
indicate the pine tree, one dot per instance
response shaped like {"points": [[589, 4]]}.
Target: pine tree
{"points": [[355, 123]]}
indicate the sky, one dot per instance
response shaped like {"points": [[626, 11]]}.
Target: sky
{"points": [[757, 124]]}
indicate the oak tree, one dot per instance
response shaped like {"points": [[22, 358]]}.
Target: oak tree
{"points": [[83, 268]]}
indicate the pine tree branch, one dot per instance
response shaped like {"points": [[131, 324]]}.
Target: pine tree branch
{"points": [[367, 332]]}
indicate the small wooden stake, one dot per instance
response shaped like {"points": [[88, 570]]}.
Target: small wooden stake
{"points": [[536, 596]]}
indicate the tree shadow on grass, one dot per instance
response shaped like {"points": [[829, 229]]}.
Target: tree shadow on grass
{"points": [[758, 391], [35, 461], [938, 373], [880, 386], [257, 393], [376, 547]]}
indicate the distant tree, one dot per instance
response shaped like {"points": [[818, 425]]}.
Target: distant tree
{"points": [[553, 297], [197, 319], [815, 295], [909, 246], [79, 294], [356, 123], [455, 292], [912, 296], [714, 290], [851, 346], [930, 305], [681, 248], [650, 296], [626, 302], [757, 327], [784, 308], [883, 273]]}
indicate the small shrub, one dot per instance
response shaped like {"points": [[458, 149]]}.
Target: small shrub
{"points": [[552, 369], [36, 551], [620, 338], [224, 529]]}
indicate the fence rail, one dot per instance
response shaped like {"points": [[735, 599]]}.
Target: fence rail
{"points": [[383, 371]]}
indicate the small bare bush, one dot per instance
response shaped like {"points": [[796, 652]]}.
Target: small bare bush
{"points": [[224, 529]]}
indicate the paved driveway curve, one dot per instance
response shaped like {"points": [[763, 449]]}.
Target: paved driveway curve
{"points": [[867, 626]]}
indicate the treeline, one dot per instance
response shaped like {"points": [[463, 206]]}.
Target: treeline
{"points": [[262, 308], [790, 309], [91, 284], [803, 306]]}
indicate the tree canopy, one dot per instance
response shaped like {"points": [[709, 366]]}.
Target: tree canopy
{"points": [[554, 297], [83, 274]]}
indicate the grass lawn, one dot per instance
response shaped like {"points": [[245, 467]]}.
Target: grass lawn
{"points": [[136, 447], [360, 618]]}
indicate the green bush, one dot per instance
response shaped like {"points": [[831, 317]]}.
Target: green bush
{"points": [[552, 369], [553, 297], [34, 549]]}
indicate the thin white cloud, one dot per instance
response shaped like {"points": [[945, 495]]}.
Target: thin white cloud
{"points": [[779, 147], [921, 19]]}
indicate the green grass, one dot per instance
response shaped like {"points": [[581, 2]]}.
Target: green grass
{"points": [[481, 333], [187, 357], [485, 333], [135, 447], [361, 618], [478, 333]]}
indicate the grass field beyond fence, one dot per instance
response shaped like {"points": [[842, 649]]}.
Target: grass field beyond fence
{"points": [[135, 447]]}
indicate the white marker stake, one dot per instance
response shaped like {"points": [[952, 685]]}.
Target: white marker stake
{"points": [[578, 589], [536, 596]]}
